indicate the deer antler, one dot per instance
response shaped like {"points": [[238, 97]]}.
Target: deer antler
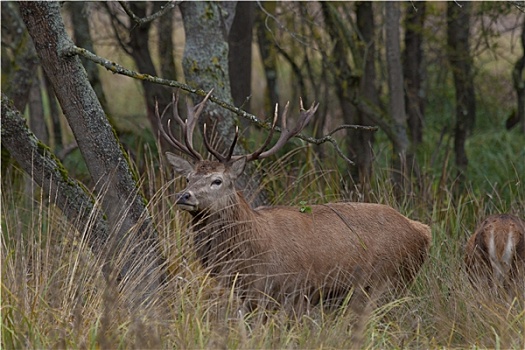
{"points": [[187, 126], [286, 134]]}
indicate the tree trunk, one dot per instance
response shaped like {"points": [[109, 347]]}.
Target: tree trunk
{"points": [[413, 70], [205, 65], [397, 95], [55, 114], [458, 27], [82, 38], [240, 56], [139, 45], [35, 159], [268, 53], [129, 223], [364, 140], [519, 83], [37, 121], [22, 69], [166, 49], [347, 86]]}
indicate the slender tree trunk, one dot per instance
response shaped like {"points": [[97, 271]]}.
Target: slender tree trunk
{"points": [[22, 75], [82, 38], [37, 121], [413, 70], [347, 86], [268, 53], [166, 48], [55, 114], [129, 223], [364, 140], [240, 56], [519, 83], [139, 45], [396, 94], [458, 27]]}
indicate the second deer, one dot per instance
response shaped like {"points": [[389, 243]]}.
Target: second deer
{"points": [[280, 254], [495, 254]]}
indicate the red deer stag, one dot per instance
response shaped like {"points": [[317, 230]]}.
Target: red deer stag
{"points": [[495, 253], [288, 256]]}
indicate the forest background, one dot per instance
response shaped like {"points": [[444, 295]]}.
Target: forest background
{"points": [[93, 249]]}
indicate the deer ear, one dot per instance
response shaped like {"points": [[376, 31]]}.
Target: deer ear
{"points": [[237, 167], [181, 165]]}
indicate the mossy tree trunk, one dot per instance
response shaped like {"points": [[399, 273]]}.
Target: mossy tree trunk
{"points": [[35, 158], [205, 64], [129, 224], [19, 59]]}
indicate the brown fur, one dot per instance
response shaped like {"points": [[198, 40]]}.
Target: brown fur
{"points": [[282, 254], [495, 253]]}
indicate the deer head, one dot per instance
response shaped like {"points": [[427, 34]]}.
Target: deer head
{"points": [[211, 183]]}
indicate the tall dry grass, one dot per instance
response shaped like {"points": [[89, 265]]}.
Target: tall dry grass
{"points": [[54, 294]]}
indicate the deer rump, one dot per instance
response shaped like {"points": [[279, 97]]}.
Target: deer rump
{"points": [[297, 258], [495, 253]]}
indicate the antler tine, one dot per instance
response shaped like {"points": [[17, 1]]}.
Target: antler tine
{"points": [[286, 134], [261, 149], [232, 146], [305, 117], [168, 135], [210, 149], [191, 122]]}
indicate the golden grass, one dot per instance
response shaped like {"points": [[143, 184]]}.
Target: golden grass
{"points": [[54, 294]]}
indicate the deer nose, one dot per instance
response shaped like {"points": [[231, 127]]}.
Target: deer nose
{"points": [[184, 198]]}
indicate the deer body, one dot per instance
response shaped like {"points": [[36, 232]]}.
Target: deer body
{"points": [[297, 256], [280, 253], [495, 253]]}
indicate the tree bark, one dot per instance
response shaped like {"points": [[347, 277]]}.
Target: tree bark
{"points": [[82, 37], [519, 83], [240, 56], [413, 70], [205, 65], [47, 171], [364, 140], [348, 84], [139, 45], [458, 27], [396, 93], [37, 119], [166, 48], [128, 221], [268, 53], [22, 69]]}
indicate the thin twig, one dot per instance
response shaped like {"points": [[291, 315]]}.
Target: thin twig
{"points": [[118, 69], [140, 21]]}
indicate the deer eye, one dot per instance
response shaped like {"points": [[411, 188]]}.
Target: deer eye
{"points": [[217, 182], [187, 180]]}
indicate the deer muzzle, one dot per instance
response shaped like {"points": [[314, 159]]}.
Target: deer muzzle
{"points": [[186, 201]]}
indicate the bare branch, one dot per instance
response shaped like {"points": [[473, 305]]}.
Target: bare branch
{"points": [[141, 21], [118, 69]]}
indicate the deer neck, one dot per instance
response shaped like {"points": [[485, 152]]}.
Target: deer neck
{"points": [[223, 237]]}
